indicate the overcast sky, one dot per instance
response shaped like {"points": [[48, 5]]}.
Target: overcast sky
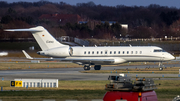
{"points": [[169, 3]]}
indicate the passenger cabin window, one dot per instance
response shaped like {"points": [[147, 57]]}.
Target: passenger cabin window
{"points": [[92, 52], [136, 52], [105, 52], [84, 52], [119, 52], [101, 52], [127, 52], [140, 52], [131, 52], [89, 52], [123, 52], [159, 50], [114, 52], [97, 52], [110, 52]]}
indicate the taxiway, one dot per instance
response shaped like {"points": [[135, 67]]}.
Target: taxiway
{"points": [[74, 74]]}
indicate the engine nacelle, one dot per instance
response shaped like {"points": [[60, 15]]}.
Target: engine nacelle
{"points": [[56, 52]]}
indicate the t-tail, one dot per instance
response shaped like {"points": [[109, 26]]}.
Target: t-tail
{"points": [[43, 37]]}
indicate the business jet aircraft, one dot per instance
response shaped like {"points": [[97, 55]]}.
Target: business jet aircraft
{"points": [[3, 53], [96, 56]]}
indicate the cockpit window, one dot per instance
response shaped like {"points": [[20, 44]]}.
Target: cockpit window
{"points": [[159, 50]]}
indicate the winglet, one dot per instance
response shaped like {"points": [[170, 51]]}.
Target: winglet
{"points": [[27, 55]]}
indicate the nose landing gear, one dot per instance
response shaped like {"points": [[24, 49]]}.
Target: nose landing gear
{"points": [[160, 66]]}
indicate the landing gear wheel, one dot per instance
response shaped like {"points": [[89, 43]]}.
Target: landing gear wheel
{"points": [[160, 68], [87, 68], [97, 67]]}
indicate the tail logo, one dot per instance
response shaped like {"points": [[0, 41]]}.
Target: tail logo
{"points": [[49, 41]]}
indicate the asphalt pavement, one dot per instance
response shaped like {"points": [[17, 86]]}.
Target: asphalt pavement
{"points": [[75, 74]]}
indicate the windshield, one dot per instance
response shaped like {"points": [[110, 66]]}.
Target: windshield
{"points": [[159, 50]]}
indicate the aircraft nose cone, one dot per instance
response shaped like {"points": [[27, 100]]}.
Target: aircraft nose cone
{"points": [[172, 57], [169, 57]]}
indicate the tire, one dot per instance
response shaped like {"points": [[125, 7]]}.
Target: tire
{"points": [[87, 68], [161, 68], [97, 67]]}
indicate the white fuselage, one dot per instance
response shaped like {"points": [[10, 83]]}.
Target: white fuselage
{"points": [[119, 54]]}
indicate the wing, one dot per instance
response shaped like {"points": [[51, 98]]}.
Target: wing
{"points": [[84, 60], [95, 60], [90, 61]]}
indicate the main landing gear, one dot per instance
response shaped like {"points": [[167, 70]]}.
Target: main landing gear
{"points": [[97, 67], [88, 67]]}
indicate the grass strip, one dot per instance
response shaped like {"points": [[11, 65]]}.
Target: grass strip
{"points": [[15, 66], [167, 70], [80, 90]]}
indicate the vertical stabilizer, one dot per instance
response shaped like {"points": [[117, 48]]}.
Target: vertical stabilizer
{"points": [[43, 37]]}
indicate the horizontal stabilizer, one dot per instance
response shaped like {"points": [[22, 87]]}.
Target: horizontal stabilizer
{"points": [[22, 30]]}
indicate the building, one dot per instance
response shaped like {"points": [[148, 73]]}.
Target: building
{"points": [[61, 18]]}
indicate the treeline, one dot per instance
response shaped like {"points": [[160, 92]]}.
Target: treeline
{"points": [[100, 31], [143, 22]]}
